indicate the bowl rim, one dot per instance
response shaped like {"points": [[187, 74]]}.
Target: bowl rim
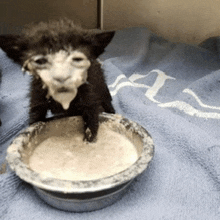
{"points": [[68, 186]]}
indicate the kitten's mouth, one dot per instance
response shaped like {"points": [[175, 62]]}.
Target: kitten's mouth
{"points": [[63, 90], [63, 95]]}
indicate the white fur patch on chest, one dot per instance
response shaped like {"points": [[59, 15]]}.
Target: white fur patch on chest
{"points": [[62, 73]]}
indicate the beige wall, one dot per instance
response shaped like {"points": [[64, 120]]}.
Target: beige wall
{"points": [[15, 13], [178, 20]]}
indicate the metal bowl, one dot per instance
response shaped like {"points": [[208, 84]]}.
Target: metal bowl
{"points": [[79, 196]]}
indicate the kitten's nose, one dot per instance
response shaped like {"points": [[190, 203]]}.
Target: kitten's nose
{"points": [[61, 79]]}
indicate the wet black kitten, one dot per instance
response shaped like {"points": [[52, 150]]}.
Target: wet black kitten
{"points": [[67, 78]]}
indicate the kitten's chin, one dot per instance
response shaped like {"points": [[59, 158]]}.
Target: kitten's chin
{"points": [[64, 98]]}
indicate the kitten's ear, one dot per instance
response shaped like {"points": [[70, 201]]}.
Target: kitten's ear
{"points": [[101, 40], [12, 46]]}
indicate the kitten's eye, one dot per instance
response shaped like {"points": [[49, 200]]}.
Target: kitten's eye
{"points": [[77, 59], [41, 61]]}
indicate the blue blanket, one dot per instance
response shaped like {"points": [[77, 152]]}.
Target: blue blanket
{"points": [[173, 90]]}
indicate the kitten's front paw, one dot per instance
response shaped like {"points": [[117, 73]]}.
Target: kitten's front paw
{"points": [[89, 136]]}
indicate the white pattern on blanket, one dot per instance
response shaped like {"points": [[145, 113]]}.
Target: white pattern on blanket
{"points": [[153, 90]]}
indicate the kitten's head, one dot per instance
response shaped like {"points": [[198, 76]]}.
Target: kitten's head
{"points": [[59, 53]]}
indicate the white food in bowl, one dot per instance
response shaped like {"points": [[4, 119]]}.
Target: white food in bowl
{"points": [[68, 157]]}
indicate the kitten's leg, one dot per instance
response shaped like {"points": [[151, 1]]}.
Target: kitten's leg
{"points": [[106, 99], [37, 113], [91, 120], [38, 102], [108, 108], [90, 109], [107, 103]]}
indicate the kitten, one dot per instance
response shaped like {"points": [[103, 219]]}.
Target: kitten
{"points": [[67, 78]]}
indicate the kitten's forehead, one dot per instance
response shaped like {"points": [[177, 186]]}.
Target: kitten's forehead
{"points": [[62, 55]]}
